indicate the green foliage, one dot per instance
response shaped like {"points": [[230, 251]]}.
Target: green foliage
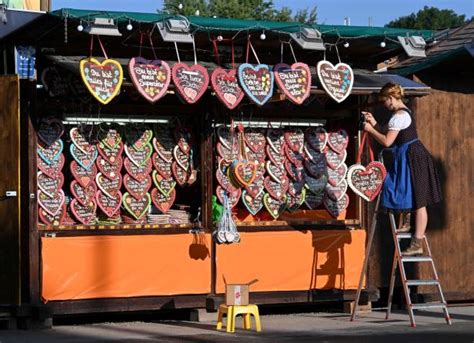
{"points": [[243, 9], [430, 18]]}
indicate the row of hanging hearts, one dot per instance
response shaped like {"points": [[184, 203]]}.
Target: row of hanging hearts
{"points": [[300, 166], [152, 77], [96, 168]]}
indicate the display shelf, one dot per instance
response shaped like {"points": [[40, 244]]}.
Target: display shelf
{"points": [[282, 225]]}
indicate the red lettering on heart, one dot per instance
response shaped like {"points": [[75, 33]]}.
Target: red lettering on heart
{"points": [[191, 81], [367, 181]]}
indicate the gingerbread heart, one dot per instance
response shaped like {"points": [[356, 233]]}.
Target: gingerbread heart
{"points": [[296, 158], [163, 202], [366, 181], [256, 187], [184, 138], [191, 81], [294, 81], [180, 175], [50, 130], [181, 158], [109, 205], [314, 200], [137, 189], [256, 81], [275, 172], [48, 219], [162, 167], [102, 79], [316, 169], [336, 80], [85, 214], [164, 148], [50, 153], [51, 205], [226, 86], [274, 206], [110, 138], [224, 181], [276, 139], [334, 159], [316, 185], [108, 187], [336, 192], [150, 77], [52, 170], [251, 203], [317, 137], [85, 160], [109, 170], [165, 186], [336, 176], [258, 158], [138, 137], [83, 194], [138, 173], [296, 187], [312, 154], [82, 175], [255, 140], [139, 157], [244, 172], [227, 154], [233, 197], [295, 202], [294, 139], [82, 139], [276, 189], [335, 208], [338, 140], [111, 154], [277, 158], [295, 172], [49, 185], [137, 208]]}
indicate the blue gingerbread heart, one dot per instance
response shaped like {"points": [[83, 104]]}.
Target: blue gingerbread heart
{"points": [[49, 154], [257, 82], [84, 160]]}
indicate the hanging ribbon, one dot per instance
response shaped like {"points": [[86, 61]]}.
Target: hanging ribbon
{"points": [[365, 137], [250, 46], [101, 46]]}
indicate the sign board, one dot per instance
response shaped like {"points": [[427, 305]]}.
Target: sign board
{"points": [[25, 61]]}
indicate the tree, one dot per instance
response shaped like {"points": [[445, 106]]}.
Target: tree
{"points": [[430, 18], [243, 9]]}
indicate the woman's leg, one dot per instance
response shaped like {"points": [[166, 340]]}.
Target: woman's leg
{"points": [[421, 221]]}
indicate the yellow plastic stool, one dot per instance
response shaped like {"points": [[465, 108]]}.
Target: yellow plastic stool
{"points": [[232, 311], [227, 310]]}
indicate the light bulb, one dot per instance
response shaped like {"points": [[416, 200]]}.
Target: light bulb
{"points": [[220, 38], [214, 16], [80, 27], [346, 44], [129, 27], [263, 36], [197, 12], [383, 44], [180, 6]]}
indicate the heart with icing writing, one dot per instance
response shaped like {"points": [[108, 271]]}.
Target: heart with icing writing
{"points": [[233, 197], [83, 194], [139, 157], [223, 134], [226, 86], [257, 82], [313, 201], [316, 169], [108, 187], [294, 172], [224, 181], [184, 138], [295, 202], [336, 192], [150, 77], [336, 176], [276, 189], [109, 205], [50, 153], [82, 175], [136, 207], [276, 139], [257, 158], [336, 80], [85, 214], [312, 154], [275, 172], [86, 161], [50, 130], [335, 208], [256, 187], [110, 154], [316, 185], [162, 167], [138, 137], [251, 203], [138, 173], [180, 175], [294, 157], [334, 159], [163, 202], [51, 205], [338, 140], [102, 79], [255, 139], [165, 186], [274, 206], [191, 81], [54, 82], [244, 172], [164, 148], [82, 139], [296, 187], [277, 158], [109, 170], [366, 181], [294, 139], [294, 81], [225, 153], [110, 138], [49, 185], [48, 219], [137, 189], [181, 158], [317, 137], [52, 170]]}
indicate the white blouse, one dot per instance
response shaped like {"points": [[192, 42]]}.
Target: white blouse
{"points": [[399, 121]]}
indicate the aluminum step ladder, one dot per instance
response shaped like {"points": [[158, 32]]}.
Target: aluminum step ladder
{"points": [[399, 262]]}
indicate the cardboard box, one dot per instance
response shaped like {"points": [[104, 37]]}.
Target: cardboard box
{"points": [[236, 294]]}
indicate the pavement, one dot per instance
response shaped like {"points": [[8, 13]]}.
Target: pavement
{"points": [[293, 327]]}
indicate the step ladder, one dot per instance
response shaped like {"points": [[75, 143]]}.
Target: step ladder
{"points": [[399, 261]]}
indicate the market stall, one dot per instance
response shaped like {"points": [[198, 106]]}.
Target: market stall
{"points": [[152, 175]]}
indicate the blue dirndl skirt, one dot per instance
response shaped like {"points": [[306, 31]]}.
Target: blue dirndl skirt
{"points": [[397, 191]]}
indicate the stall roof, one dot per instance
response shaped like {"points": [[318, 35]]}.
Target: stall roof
{"points": [[16, 19], [365, 81], [210, 24]]}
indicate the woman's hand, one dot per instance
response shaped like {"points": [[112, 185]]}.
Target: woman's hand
{"points": [[369, 118], [368, 127]]}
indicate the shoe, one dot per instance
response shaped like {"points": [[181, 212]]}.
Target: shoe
{"points": [[415, 248], [406, 226]]}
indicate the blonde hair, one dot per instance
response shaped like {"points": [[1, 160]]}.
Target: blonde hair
{"points": [[391, 89]]}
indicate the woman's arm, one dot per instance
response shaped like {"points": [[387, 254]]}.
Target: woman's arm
{"points": [[385, 139]]}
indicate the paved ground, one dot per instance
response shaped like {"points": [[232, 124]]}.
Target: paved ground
{"points": [[297, 327]]}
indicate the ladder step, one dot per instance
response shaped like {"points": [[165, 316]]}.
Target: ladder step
{"points": [[416, 259], [404, 235], [422, 282], [432, 305]]}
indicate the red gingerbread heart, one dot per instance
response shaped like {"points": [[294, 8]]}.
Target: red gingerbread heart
{"points": [[109, 205], [52, 170], [366, 181], [83, 194], [226, 86], [81, 174], [294, 81], [137, 189], [234, 197], [191, 81], [161, 201], [109, 170], [338, 140], [84, 214], [150, 77]]}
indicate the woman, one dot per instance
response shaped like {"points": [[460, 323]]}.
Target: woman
{"points": [[412, 183]]}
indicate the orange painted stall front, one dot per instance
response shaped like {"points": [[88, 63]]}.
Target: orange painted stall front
{"points": [[125, 266]]}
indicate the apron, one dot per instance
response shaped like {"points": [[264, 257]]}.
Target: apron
{"points": [[397, 192]]}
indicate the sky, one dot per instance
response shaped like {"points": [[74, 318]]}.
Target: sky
{"points": [[330, 12]]}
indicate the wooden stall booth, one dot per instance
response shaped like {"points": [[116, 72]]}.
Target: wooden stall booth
{"points": [[123, 184]]}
